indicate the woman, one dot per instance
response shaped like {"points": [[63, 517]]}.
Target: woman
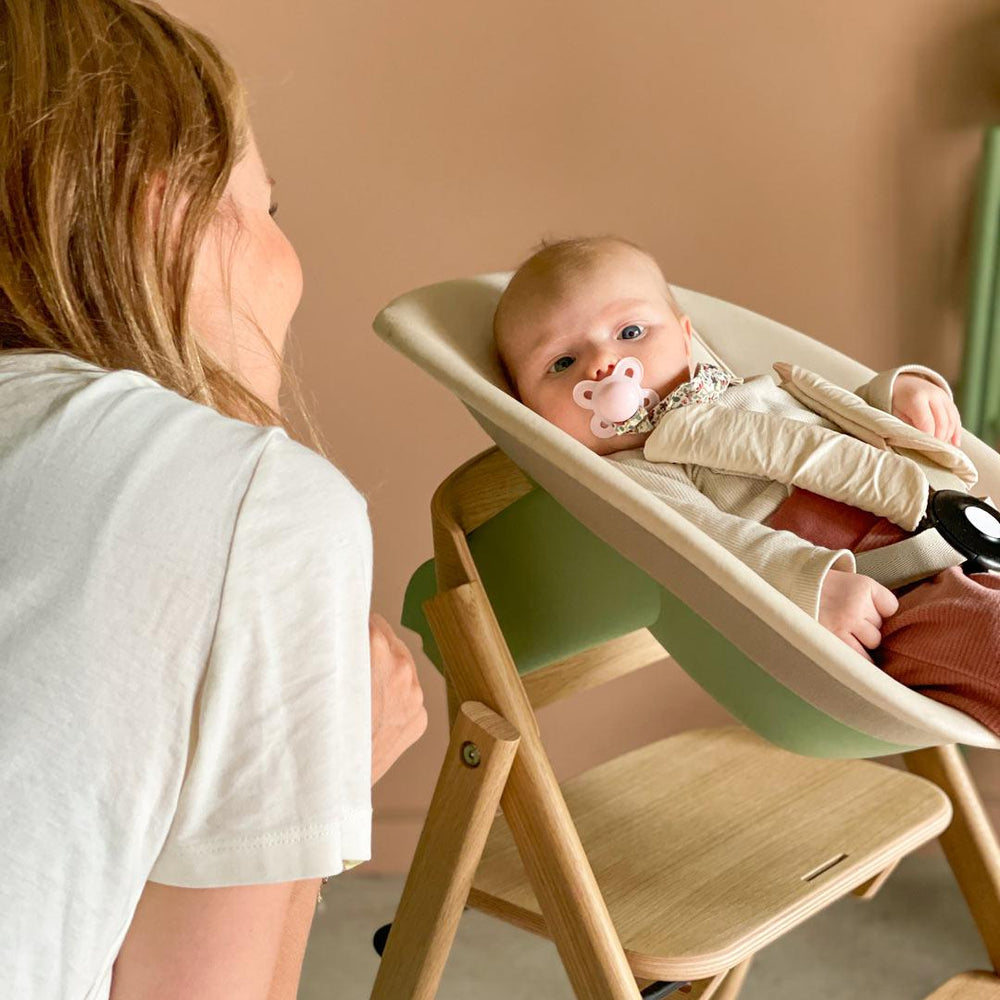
{"points": [[185, 698]]}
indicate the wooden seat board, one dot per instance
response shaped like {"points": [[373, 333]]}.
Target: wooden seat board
{"points": [[702, 845]]}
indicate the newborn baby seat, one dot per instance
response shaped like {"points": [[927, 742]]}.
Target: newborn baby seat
{"points": [[564, 553]]}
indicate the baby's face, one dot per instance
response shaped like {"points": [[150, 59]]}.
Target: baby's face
{"points": [[616, 308]]}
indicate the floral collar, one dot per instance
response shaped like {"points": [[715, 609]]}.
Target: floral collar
{"points": [[706, 385]]}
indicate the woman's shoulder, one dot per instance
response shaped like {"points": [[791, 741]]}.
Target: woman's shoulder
{"points": [[118, 429], [108, 401], [299, 486]]}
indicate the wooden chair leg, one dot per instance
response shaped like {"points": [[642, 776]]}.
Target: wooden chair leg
{"points": [[703, 989], [725, 986], [480, 666], [733, 983], [869, 889], [454, 703], [970, 842], [969, 986], [475, 770], [698, 989]]}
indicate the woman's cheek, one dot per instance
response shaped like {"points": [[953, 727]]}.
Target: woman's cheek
{"points": [[278, 286], [278, 265], [293, 269]]}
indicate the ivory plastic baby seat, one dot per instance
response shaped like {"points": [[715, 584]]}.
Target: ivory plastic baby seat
{"points": [[676, 862]]}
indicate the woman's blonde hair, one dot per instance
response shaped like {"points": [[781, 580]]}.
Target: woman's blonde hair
{"points": [[108, 104]]}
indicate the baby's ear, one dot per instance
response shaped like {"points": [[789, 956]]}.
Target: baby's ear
{"points": [[688, 330], [505, 371]]}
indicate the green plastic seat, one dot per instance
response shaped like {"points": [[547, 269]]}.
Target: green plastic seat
{"points": [[557, 589]]}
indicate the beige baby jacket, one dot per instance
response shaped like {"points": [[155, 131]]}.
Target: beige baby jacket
{"points": [[728, 465]]}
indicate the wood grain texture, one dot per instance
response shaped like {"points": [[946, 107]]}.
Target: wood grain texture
{"points": [[712, 843], [869, 890], [724, 986], [969, 986], [678, 860], [480, 668], [700, 989], [729, 988], [451, 843], [593, 667], [970, 842], [470, 496]]}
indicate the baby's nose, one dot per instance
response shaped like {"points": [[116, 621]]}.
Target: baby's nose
{"points": [[603, 370]]}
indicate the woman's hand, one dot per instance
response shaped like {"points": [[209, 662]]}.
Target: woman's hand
{"points": [[926, 406], [852, 607], [398, 714]]}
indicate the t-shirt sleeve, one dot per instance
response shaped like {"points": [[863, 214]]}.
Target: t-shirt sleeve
{"points": [[278, 783]]}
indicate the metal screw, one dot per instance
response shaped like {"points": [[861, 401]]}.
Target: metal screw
{"points": [[470, 754]]}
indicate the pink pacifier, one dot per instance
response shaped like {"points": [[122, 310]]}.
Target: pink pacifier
{"points": [[614, 398]]}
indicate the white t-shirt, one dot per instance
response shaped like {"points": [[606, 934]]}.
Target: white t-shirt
{"points": [[184, 671]]}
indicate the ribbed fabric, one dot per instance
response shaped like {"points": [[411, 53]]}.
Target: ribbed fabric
{"points": [[944, 641], [729, 507]]}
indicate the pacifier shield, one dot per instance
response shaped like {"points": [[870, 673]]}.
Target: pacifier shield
{"points": [[617, 400], [614, 398]]}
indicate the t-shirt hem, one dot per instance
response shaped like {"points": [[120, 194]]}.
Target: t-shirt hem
{"points": [[297, 853]]}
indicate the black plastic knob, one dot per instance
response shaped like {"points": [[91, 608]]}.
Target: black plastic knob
{"points": [[969, 525]]}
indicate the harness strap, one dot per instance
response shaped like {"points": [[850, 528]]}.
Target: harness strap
{"points": [[922, 555]]}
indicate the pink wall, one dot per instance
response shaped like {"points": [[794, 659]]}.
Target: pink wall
{"points": [[812, 161]]}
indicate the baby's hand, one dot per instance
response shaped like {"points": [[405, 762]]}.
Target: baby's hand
{"points": [[852, 607], [926, 406]]}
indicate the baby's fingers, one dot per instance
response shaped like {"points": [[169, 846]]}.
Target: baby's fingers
{"points": [[956, 426], [942, 418], [868, 635], [884, 600], [954, 421], [919, 415], [948, 421], [854, 644]]}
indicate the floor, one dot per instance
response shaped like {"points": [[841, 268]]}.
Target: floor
{"points": [[901, 945]]}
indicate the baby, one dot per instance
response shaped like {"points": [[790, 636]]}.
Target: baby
{"points": [[577, 308]]}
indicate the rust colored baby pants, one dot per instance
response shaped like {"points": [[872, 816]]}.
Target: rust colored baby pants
{"points": [[944, 641]]}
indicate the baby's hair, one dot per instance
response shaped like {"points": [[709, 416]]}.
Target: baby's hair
{"points": [[552, 263], [567, 256]]}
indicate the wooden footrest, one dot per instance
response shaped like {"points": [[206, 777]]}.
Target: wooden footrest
{"points": [[712, 843], [969, 986]]}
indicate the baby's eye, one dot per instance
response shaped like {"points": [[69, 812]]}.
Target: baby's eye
{"points": [[631, 332], [560, 364]]}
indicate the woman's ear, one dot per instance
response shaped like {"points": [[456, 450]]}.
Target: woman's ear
{"points": [[157, 204], [154, 201]]}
